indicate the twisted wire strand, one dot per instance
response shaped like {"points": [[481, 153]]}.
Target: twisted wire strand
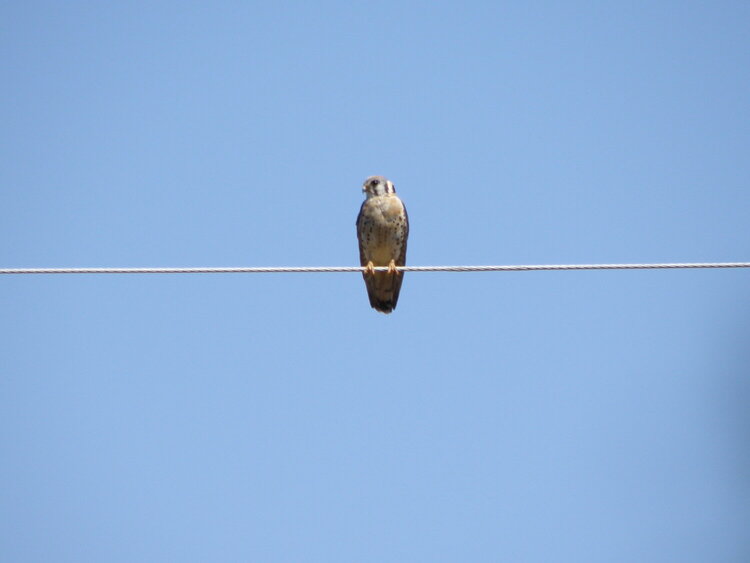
{"points": [[330, 269]]}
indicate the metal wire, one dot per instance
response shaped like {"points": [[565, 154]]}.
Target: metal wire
{"points": [[327, 269]]}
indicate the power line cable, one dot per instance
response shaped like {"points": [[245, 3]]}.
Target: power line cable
{"points": [[331, 269]]}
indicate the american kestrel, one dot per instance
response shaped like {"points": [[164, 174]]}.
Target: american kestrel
{"points": [[382, 230]]}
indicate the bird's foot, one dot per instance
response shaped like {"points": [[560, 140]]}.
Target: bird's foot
{"points": [[392, 268], [370, 269]]}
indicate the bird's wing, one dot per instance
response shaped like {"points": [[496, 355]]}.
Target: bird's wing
{"points": [[361, 219], [401, 259]]}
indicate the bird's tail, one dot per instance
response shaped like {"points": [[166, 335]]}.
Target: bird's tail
{"points": [[383, 289]]}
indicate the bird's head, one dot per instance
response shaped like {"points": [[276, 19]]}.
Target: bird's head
{"points": [[377, 185]]}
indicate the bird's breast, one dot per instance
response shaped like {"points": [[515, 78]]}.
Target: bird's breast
{"points": [[385, 211], [382, 229]]}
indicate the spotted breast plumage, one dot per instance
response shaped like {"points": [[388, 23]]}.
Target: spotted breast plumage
{"points": [[382, 230]]}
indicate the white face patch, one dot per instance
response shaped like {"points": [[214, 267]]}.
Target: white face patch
{"points": [[378, 186]]}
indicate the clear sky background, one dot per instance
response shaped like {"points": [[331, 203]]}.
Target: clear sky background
{"points": [[536, 416]]}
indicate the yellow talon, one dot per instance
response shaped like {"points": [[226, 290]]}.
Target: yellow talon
{"points": [[370, 268], [392, 268]]}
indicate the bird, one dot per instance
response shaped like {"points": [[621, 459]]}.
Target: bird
{"points": [[382, 231]]}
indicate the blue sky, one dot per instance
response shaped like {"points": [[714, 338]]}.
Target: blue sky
{"points": [[538, 416]]}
